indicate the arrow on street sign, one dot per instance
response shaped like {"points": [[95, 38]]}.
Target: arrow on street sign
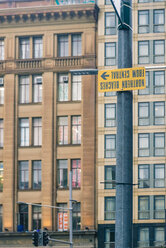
{"points": [[104, 75]]}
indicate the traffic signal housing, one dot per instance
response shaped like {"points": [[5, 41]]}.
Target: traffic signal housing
{"points": [[45, 238], [35, 238]]}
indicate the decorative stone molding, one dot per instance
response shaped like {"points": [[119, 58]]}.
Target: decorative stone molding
{"points": [[47, 13]]}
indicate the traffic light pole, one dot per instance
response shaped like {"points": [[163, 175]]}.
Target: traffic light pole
{"points": [[70, 210], [124, 156]]}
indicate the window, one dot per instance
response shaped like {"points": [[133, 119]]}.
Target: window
{"points": [[23, 175], [146, 91], [2, 49], [159, 236], [37, 88], [143, 145], [1, 176], [37, 47], [109, 210], [24, 89], [159, 51], [22, 218], [24, 48], [110, 146], [143, 114], [143, 207], [36, 217], [159, 144], [62, 217], [109, 238], [110, 115], [159, 82], [76, 88], [1, 218], [63, 46], [110, 53], [151, 175], [159, 207], [111, 93], [63, 130], [143, 176], [76, 173], [143, 52], [76, 129], [158, 20], [1, 133], [143, 1], [110, 23], [1, 91], [109, 177], [107, 2], [143, 237], [36, 174], [143, 21], [24, 131], [159, 175], [77, 216], [37, 131], [62, 168], [63, 87], [76, 45], [159, 113]]}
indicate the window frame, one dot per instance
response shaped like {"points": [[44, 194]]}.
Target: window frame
{"points": [[144, 211], [24, 141], [110, 212], [37, 171], [148, 148], [36, 222], [160, 88], [76, 45], [1, 133], [161, 25], [62, 173], [76, 129], [159, 210], [110, 29], [113, 59], [146, 26], [158, 55], [147, 57], [161, 117], [65, 130], [158, 180], [37, 131], [2, 49], [145, 181], [111, 137], [112, 120], [23, 175], [111, 185], [160, 148], [144, 121], [63, 45]]}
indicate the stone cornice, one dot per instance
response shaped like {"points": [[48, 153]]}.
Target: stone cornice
{"points": [[48, 13]]}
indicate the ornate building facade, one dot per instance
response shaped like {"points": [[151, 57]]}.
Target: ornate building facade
{"points": [[47, 117]]}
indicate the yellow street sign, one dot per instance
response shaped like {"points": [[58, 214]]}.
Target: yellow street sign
{"points": [[121, 79]]}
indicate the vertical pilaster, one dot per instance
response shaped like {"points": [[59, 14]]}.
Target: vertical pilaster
{"points": [[47, 148], [9, 154], [88, 157]]}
